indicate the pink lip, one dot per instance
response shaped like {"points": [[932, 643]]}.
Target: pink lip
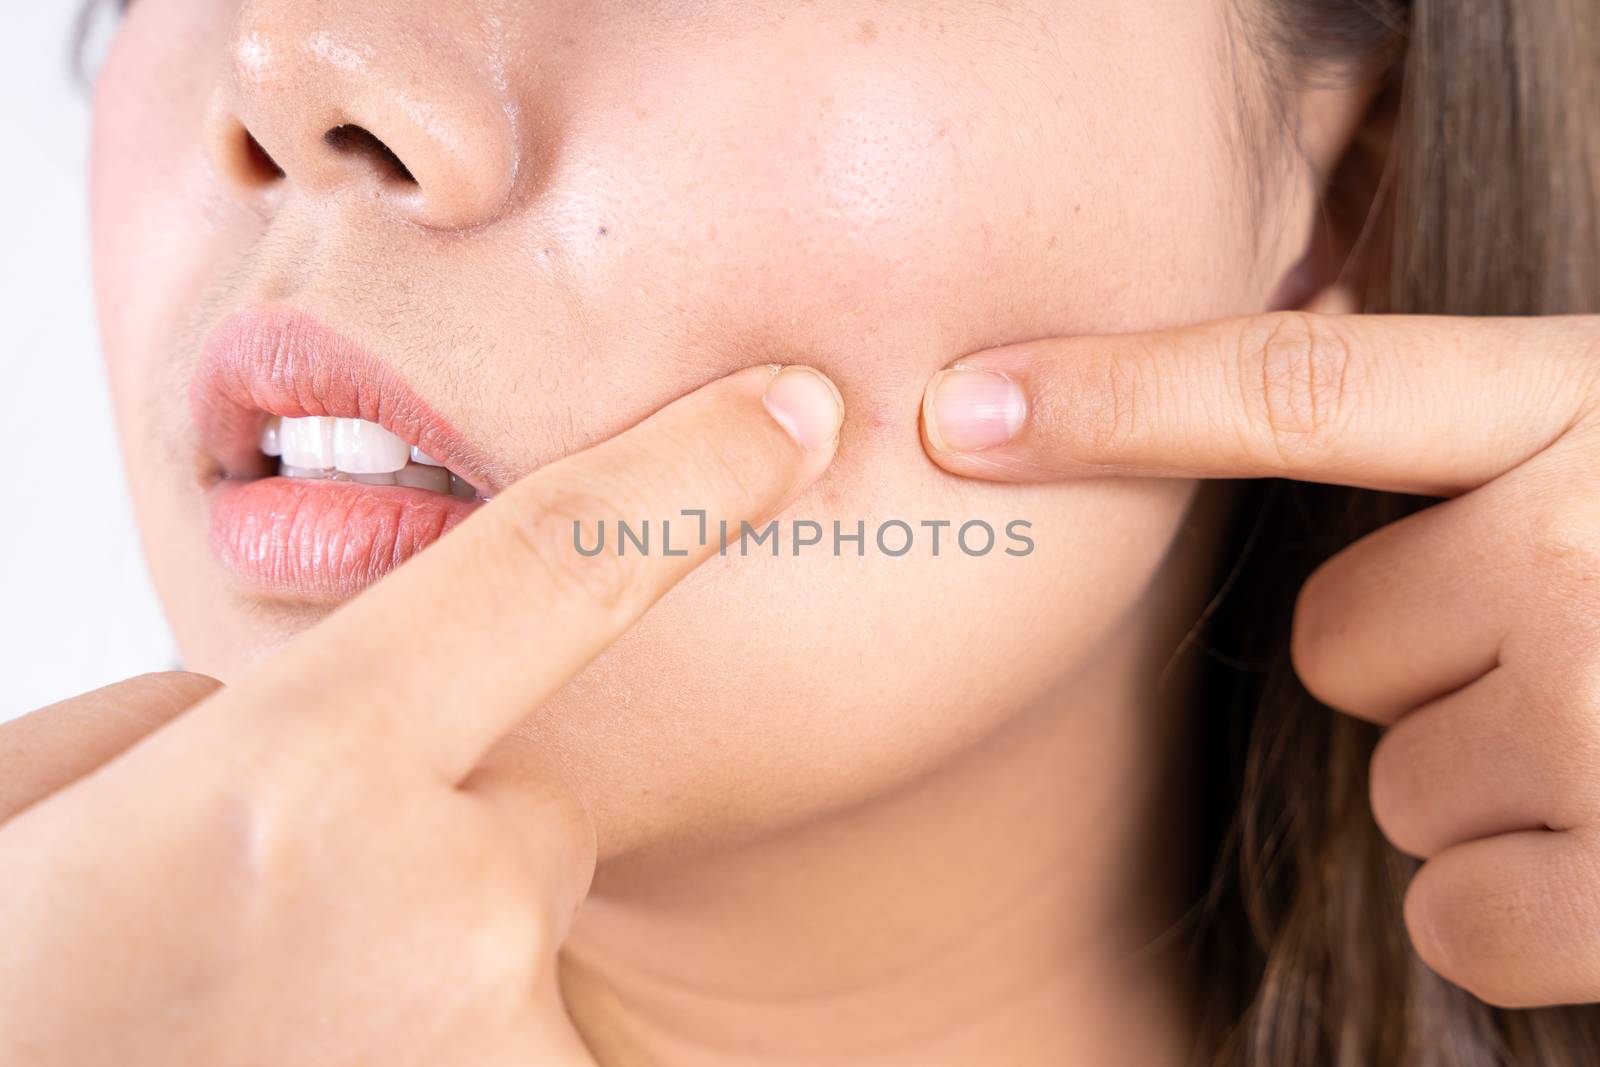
{"points": [[299, 538]]}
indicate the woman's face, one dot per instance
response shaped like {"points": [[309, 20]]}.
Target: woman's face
{"points": [[610, 203]]}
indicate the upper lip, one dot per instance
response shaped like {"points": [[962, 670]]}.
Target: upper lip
{"points": [[280, 361]]}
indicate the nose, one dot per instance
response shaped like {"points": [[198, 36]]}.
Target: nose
{"points": [[343, 99]]}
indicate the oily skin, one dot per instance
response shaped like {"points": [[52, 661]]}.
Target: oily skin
{"points": [[607, 216]]}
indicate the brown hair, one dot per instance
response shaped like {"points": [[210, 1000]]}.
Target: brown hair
{"points": [[1480, 197]]}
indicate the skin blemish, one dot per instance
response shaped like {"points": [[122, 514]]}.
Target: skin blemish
{"points": [[867, 32], [601, 230]]}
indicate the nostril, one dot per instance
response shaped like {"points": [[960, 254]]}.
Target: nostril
{"points": [[259, 161], [243, 159], [356, 141]]}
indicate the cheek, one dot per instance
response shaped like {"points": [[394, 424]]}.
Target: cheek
{"points": [[165, 239], [905, 209], [162, 231], [153, 201], [766, 691], [888, 225]]}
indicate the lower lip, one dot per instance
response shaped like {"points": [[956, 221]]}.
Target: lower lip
{"points": [[312, 539]]}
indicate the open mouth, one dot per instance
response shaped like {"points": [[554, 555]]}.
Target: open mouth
{"points": [[329, 470], [356, 450]]}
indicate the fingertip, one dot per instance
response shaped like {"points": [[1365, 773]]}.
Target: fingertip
{"points": [[968, 409], [808, 406]]}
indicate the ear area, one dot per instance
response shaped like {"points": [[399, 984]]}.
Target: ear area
{"points": [[1335, 299], [1346, 152]]}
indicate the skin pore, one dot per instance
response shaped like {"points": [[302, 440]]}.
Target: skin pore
{"points": [[866, 810]]}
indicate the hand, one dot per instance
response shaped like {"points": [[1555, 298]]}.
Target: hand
{"points": [[313, 866], [1471, 629]]}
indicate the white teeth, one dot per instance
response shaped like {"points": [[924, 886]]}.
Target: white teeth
{"points": [[419, 456], [420, 476], [307, 442], [269, 438], [362, 447], [355, 450], [354, 446]]}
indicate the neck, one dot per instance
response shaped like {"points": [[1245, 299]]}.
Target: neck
{"points": [[1016, 907]]}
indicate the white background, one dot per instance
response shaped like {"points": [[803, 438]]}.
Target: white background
{"points": [[76, 609]]}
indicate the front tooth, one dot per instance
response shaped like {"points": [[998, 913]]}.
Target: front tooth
{"points": [[270, 445], [362, 447], [307, 442], [419, 456]]}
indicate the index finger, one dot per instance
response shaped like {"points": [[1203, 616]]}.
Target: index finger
{"points": [[1411, 404], [445, 656]]}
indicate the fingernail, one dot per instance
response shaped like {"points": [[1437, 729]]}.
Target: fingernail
{"points": [[806, 405], [968, 410]]}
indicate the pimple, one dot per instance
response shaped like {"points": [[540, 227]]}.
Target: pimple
{"points": [[867, 32]]}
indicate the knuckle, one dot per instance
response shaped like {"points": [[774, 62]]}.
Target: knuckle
{"points": [[1298, 375], [1580, 707], [268, 818], [243, 861], [1563, 891], [249, 840], [505, 948], [1563, 729], [741, 468], [500, 934], [510, 923], [1562, 703], [1121, 419], [1564, 539], [1578, 337]]}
